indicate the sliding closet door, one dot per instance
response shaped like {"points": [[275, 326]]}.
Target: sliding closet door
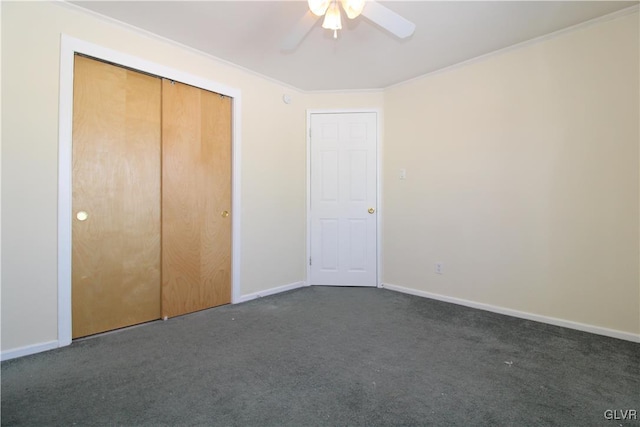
{"points": [[196, 199], [116, 197]]}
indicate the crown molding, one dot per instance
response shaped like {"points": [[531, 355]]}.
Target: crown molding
{"points": [[586, 24], [154, 36], [148, 34]]}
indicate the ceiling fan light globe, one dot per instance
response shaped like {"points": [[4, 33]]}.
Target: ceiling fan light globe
{"points": [[318, 7], [353, 8], [332, 19]]}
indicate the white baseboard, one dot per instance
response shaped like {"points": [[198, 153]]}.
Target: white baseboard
{"points": [[27, 350], [50, 345], [521, 314], [271, 291]]}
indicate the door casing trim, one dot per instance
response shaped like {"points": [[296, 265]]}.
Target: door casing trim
{"points": [[379, 142], [69, 46]]}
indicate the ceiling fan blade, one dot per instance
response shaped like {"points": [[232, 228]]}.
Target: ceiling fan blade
{"points": [[299, 31], [388, 19]]}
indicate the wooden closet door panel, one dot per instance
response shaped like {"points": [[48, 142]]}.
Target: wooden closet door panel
{"points": [[116, 181], [196, 191]]}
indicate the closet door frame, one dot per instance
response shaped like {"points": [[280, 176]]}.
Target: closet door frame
{"points": [[69, 46]]}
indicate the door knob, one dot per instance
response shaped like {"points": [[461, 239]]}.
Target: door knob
{"points": [[224, 214], [82, 216], [371, 210]]}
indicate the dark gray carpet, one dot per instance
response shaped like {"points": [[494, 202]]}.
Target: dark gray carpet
{"points": [[329, 356]]}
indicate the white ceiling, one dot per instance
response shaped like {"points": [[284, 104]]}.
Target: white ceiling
{"points": [[249, 34]]}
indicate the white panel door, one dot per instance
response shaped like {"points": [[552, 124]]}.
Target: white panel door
{"points": [[343, 199]]}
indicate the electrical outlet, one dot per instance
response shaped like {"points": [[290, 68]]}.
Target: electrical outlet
{"points": [[439, 268]]}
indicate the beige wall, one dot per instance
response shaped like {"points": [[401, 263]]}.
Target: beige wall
{"points": [[522, 178], [287, 203], [522, 172], [273, 160]]}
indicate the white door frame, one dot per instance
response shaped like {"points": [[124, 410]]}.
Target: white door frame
{"points": [[69, 46], [378, 113]]}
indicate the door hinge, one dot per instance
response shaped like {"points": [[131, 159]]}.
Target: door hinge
{"points": [[309, 260]]}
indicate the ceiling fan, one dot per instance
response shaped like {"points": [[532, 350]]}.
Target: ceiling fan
{"points": [[370, 9]]}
